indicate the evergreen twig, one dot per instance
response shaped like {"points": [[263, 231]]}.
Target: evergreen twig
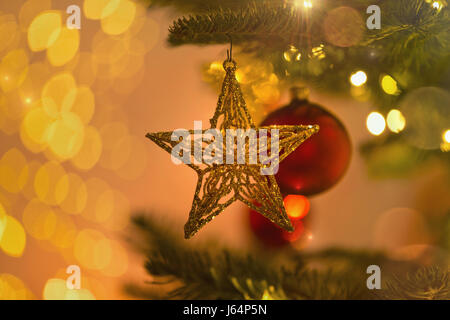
{"points": [[199, 273]]}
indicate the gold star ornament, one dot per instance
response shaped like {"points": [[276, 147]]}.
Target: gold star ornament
{"points": [[233, 159]]}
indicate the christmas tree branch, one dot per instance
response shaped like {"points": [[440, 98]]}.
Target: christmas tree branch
{"points": [[411, 25], [262, 24], [199, 273], [425, 284]]}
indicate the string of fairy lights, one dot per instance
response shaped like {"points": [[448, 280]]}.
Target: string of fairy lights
{"points": [[376, 123], [61, 92]]}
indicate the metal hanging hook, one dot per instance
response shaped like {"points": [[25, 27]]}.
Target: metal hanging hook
{"points": [[230, 51]]}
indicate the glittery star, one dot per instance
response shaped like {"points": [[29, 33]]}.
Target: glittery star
{"points": [[221, 184]]}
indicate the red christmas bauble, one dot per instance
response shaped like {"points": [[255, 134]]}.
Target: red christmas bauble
{"points": [[297, 207], [321, 161]]}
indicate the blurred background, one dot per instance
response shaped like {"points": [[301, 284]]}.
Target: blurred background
{"points": [[75, 106]]}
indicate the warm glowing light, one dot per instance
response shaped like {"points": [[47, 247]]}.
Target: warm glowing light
{"points": [[64, 48], [34, 129], [446, 136], [51, 183], [12, 288], [65, 232], [9, 31], [297, 3], [3, 216], [318, 52], [119, 260], [13, 68], [445, 147], [13, 239], [56, 289], [121, 19], [44, 30], [99, 9], [107, 51], [59, 94], [307, 4], [85, 70], [297, 206], [389, 85], [396, 122], [84, 104], [216, 66], [76, 202], [310, 237], [13, 171], [437, 5], [375, 123], [28, 189], [292, 54], [299, 229], [39, 220], [92, 249], [30, 9], [90, 151], [358, 78], [66, 136], [266, 296]]}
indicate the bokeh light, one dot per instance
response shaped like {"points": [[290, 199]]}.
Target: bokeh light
{"points": [[66, 135], [39, 220], [437, 5], [12, 288], [51, 183], [358, 78], [65, 232], [91, 150], [30, 9], [297, 206], [99, 9], [13, 70], [44, 30], [13, 239], [428, 116], [84, 104], [76, 200], [92, 249], [34, 129], [375, 123], [56, 289], [389, 85], [289, 55], [13, 171], [307, 4], [387, 235], [344, 27], [59, 94], [446, 136], [63, 122], [64, 48], [9, 32], [396, 122], [120, 19]]}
